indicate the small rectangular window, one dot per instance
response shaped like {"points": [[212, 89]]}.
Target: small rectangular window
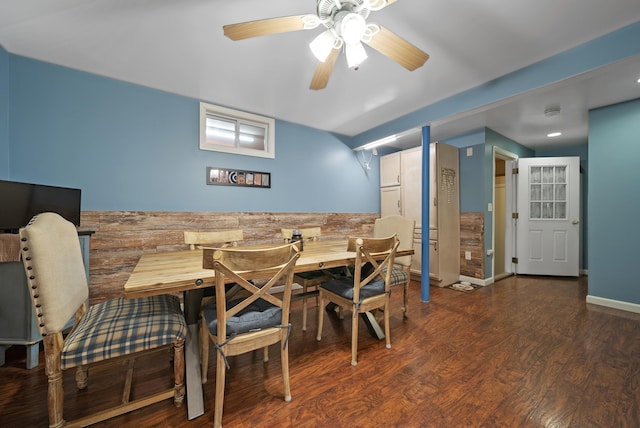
{"points": [[232, 131]]}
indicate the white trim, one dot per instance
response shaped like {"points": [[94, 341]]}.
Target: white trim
{"points": [[503, 275], [253, 119], [615, 304], [510, 205], [476, 281]]}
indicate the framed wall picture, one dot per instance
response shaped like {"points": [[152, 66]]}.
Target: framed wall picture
{"points": [[234, 177]]}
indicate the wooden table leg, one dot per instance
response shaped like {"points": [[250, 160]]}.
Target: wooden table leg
{"points": [[195, 401]]}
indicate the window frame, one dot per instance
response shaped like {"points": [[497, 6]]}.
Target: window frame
{"points": [[240, 117]]}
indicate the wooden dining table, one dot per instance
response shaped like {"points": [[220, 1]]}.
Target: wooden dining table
{"points": [[182, 271]]}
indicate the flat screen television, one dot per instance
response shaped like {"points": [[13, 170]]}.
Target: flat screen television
{"points": [[19, 202]]}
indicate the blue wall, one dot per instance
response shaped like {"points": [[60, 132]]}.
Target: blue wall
{"points": [[471, 168], [614, 144], [133, 148], [4, 113]]}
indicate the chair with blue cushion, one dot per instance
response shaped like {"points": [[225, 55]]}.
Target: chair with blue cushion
{"points": [[404, 229], [112, 330], [312, 279], [254, 321], [364, 291]]}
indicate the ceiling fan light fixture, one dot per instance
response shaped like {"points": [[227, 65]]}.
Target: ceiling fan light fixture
{"points": [[352, 28], [355, 54], [323, 43]]}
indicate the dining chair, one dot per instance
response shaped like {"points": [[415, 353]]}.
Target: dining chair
{"points": [[366, 290], [114, 330], [404, 229], [252, 322], [195, 238], [309, 281], [214, 238]]}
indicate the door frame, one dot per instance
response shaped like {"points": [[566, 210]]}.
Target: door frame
{"points": [[511, 199]]}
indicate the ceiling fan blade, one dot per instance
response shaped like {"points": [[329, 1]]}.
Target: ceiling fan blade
{"points": [[262, 27], [398, 49], [324, 70]]}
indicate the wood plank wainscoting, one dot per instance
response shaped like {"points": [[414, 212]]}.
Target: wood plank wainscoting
{"points": [[121, 237], [472, 239]]}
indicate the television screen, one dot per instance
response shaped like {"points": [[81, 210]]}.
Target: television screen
{"points": [[21, 201]]}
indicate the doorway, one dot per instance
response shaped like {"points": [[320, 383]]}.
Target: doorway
{"points": [[503, 199], [500, 213]]}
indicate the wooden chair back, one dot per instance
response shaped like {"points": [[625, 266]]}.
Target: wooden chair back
{"points": [[222, 238], [239, 266], [368, 252]]}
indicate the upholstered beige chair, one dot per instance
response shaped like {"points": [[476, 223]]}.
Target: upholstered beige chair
{"points": [[255, 321], [114, 329], [364, 291], [309, 281], [404, 229]]}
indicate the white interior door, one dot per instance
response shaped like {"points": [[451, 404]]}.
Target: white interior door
{"points": [[548, 202]]}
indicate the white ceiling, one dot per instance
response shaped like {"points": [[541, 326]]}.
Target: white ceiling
{"points": [[178, 46]]}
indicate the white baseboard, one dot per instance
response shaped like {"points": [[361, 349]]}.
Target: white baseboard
{"points": [[476, 281], [615, 304]]}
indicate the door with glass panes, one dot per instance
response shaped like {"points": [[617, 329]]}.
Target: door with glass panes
{"points": [[548, 206]]}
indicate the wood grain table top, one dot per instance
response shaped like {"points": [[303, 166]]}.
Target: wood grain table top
{"points": [[177, 271]]}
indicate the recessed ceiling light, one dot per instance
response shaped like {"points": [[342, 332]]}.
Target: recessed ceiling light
{"points": [[554, 134], [638, 81]]}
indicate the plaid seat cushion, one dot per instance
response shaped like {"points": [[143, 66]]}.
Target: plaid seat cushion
{"points": [[123, 326], [398, 276]]}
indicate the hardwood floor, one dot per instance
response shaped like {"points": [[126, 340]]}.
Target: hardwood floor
{"points": [[523, 352]]}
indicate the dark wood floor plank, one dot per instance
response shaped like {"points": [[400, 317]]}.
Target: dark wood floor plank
{"points": [[525, 352]]}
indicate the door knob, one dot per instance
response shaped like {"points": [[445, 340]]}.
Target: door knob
{"points": [[575, 222]]}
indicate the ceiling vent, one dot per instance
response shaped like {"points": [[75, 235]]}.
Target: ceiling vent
{"points": [[552, 111]]}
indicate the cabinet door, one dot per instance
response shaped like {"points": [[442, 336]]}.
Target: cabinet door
{"points": [[433, 187], [390, 201], [434, 262], [411, 163], [416, 259], [390, 170]]}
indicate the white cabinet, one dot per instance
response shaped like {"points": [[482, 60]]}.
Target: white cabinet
{"points": [[390, 170], [390, 201], [444, 215], [411, 178], [401, 193]]}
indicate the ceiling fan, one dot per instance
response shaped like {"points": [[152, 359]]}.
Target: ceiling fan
{"points": [[346, 26]]}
